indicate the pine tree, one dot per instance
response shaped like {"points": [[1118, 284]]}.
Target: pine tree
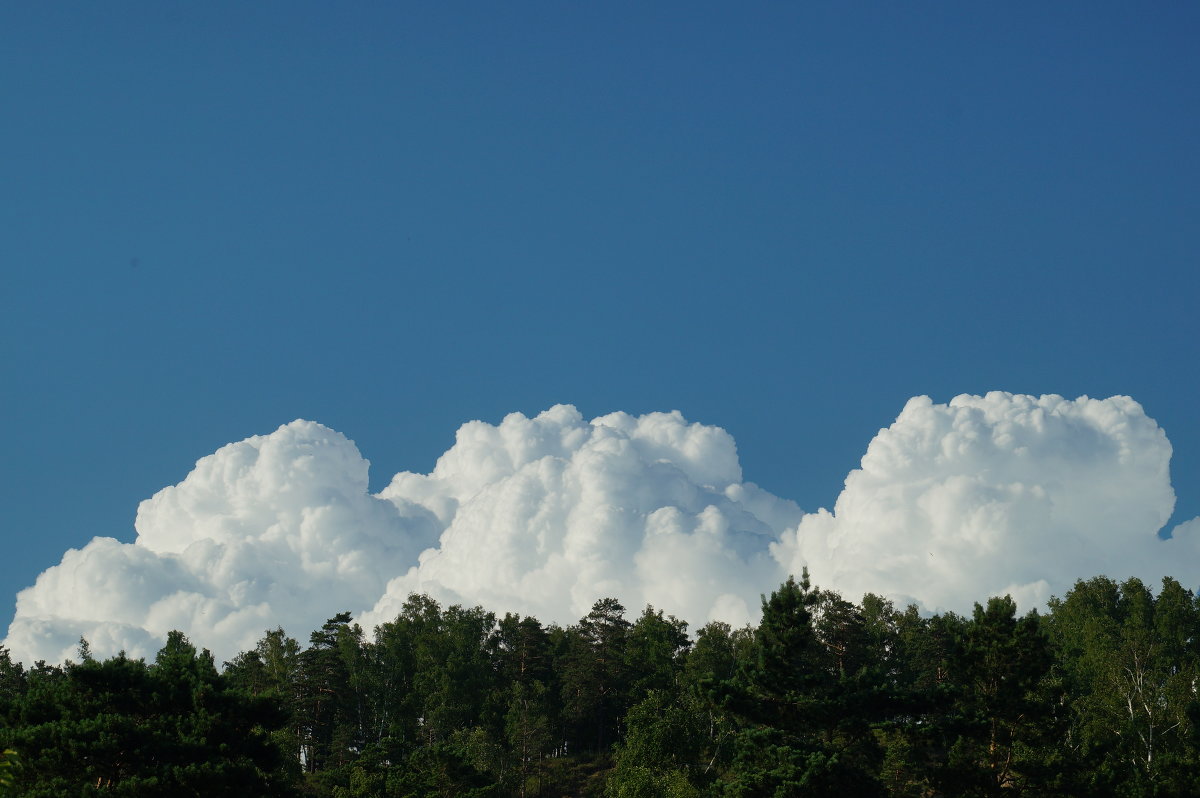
{"points": [[595, 677], [1000, 730], [323, 711], [122, 727], [524, 693], [805, 717]]}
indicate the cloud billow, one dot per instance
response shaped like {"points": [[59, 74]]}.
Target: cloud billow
{"points": [[543, 515], [998, 494], [275, 529], [551, 513]]}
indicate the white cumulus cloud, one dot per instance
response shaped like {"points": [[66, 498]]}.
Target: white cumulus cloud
{"points": [[544, 515], [276, 529], [541, 515], [997, 494]]}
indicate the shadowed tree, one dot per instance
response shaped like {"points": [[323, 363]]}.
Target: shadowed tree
{"points": [[524, 663], [805, 716], [594, 676], [324, 707], [272, 669], [654, 653], [1001, 729], [120, 727]]}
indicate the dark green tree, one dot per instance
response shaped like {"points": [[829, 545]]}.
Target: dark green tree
{"points": [[13, 684], [399, 646], [715, 655], [805, 715], [655, 651], [272, 669], [909, 658], [455, 672], [324, 705], [524, 658], [1000, 732], [120, 727], [594, 677], [712, 661]]}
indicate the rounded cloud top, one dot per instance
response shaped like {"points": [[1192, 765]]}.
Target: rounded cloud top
{"points": [[543, 515], [996, 494]]}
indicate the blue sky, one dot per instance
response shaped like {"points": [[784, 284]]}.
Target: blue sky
{"points": [[783, 219]]}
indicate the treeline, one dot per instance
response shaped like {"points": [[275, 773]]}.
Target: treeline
{"points": [[1097, 697]]}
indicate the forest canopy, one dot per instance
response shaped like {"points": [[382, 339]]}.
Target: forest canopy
{"points": [[1097, 696]]}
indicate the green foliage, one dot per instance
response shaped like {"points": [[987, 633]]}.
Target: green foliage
{"points": [[823, 697], [663, 748], [715, 656], [121, 727], [1001, 725], [8, 759], [1131, 663], [806, 700], [655, 652], [595, 677]]}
